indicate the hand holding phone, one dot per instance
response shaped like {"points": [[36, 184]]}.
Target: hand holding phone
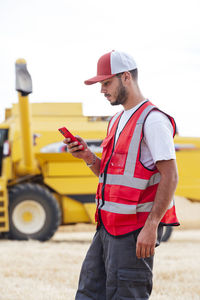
{"points": [[67, 134]]}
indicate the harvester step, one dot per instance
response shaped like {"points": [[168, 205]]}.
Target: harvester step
{"points": [[4, 228], [3, 209]]}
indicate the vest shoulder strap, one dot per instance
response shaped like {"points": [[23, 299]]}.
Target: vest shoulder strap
{"points": [[112, 121]]}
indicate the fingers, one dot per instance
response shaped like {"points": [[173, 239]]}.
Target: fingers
{"points": [[146, 241], [81, 141], [79, 138], [72, 147], [152, 251], [144, 251]]}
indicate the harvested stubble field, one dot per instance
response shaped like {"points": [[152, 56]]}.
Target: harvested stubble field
{"points": [[49, 271]]}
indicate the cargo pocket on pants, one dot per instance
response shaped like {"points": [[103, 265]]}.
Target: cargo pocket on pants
{"points": [[134, 284]]}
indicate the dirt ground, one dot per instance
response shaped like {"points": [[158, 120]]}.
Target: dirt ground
{"points": [[49, 271]]}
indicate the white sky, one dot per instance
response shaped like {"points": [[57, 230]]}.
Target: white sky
{"points": [[62, 40]]}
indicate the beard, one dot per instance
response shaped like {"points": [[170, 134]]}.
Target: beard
{"points": [[121, 94]]}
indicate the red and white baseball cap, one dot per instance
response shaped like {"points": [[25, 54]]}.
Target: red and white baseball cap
{"points": [[110, 64]]}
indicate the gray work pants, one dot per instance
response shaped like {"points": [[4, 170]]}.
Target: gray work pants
{"points": [[111, 270]]}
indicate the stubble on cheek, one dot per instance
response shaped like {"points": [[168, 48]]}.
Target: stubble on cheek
{"points": [[120, 95]]}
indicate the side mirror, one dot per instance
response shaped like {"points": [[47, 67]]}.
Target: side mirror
{"points": [[23, 78]]}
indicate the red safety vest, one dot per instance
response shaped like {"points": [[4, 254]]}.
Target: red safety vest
{"points": [[126, 188]]}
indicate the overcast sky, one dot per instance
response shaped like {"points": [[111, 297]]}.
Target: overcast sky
{"points": [[62, 40]]}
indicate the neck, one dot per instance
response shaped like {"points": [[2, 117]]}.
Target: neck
{"points": [[134, 95], [133, 101]]}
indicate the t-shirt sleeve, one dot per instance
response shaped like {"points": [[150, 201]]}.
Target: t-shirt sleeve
{"points": [[158, 136]]}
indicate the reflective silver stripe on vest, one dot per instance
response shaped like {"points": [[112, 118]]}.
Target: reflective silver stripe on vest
{"points": [[113, 121], [132, 182], [127, 178], [144, 207], [155, 179], [119, 208], [126, 209], [135, 142]]}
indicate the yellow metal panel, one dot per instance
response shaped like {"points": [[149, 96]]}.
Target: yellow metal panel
{"points": [[68, 169], [188, 161], [76, 185], [4, 126], [8, 113], [189, 178], [7, 168], [90, 210], [60, 157], [73, 211], [54, 109]]}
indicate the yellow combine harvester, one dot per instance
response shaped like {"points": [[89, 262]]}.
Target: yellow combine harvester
{"points": [[188, 160], [43, 186]]}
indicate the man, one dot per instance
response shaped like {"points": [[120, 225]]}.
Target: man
{"points": [[137, 180]]}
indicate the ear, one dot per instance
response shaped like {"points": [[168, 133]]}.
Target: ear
{"points": [[126, 77]]}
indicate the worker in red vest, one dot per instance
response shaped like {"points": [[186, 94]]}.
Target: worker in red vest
{"points": [[137, 180]]}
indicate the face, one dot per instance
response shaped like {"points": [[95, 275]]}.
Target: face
{"points": [[114, 90]]}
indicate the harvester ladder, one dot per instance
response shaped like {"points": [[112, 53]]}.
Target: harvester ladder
{"points": [[4, 222]]}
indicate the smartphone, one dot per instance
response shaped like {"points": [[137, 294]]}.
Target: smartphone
{"points": [[65, 132]]}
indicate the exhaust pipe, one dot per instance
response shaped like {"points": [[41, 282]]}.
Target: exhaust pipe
{"points": [[28, 164]]}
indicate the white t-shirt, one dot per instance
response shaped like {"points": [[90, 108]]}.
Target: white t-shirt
{"points": [[157, 143]]}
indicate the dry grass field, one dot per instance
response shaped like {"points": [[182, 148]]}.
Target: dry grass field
{"points": [[49, 271]]}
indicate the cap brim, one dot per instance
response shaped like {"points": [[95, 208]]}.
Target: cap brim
{"points": [[98, 78]]}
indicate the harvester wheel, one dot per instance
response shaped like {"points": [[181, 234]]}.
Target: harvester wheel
{"points": [[167, 231], [33, 212]]}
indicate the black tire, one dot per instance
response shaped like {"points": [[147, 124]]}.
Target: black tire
{"points": [[167, 231], [33, 213]]}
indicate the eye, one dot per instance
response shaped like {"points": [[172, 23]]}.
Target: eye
{"points": [[106, 83]]}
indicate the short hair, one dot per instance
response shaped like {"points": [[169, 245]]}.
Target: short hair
{"points": [[134, 74]]}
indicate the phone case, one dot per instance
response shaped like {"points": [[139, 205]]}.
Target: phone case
{"points": [[67, 134]]}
